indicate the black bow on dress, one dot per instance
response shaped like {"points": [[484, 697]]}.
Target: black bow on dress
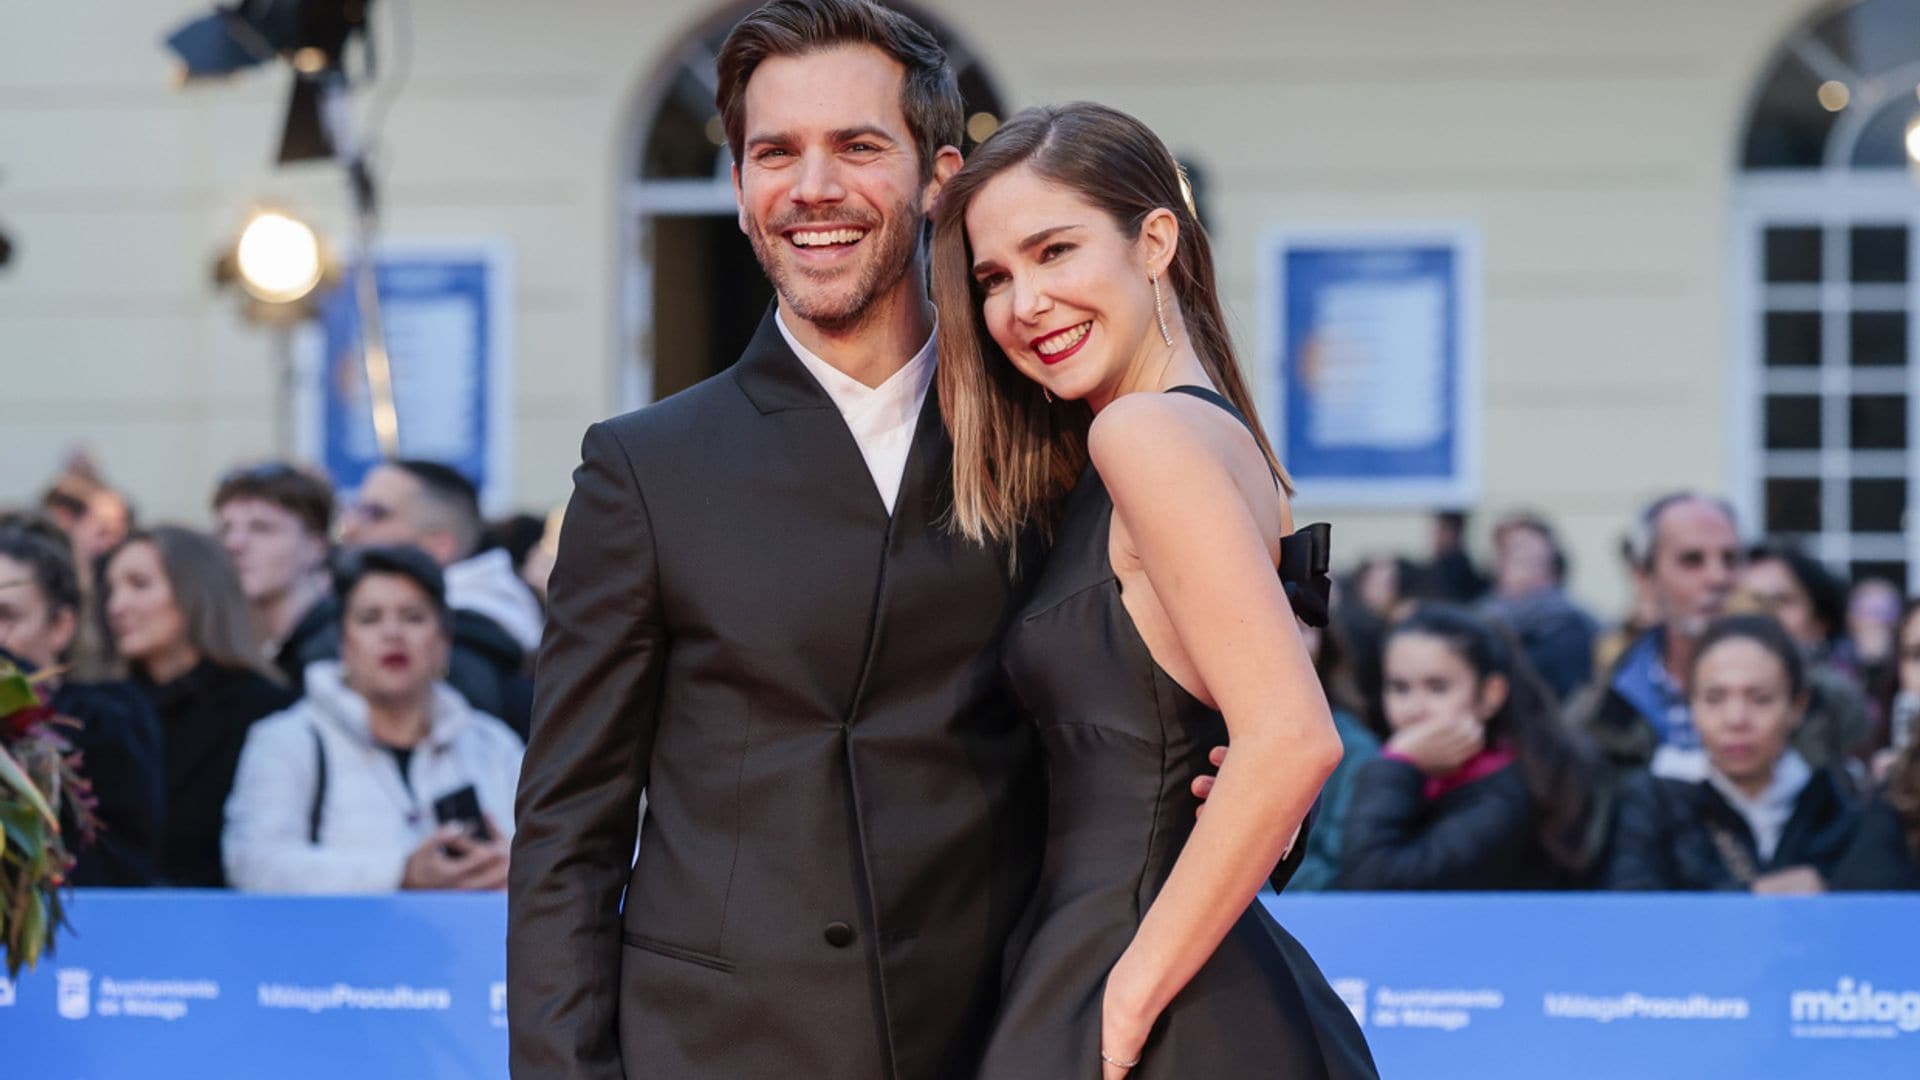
{"points": [[1304, 558]]}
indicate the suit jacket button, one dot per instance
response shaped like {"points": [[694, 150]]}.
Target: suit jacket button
{"points": [[839, 935]]}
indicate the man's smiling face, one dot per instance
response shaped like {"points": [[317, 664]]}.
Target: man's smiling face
{"points": [[829, 182]]}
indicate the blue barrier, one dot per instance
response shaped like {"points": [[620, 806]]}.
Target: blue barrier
{"points": [[209, 985]]}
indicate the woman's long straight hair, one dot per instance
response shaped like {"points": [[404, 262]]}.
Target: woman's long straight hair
{"points": [[207, 589], [1015, 454]]}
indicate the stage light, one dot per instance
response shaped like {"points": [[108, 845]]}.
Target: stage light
{"points": [[305, 135], [310, 61], [219, 44], [1913, 141], [980, 125], [1834, 95], [312, 35], [278, 258]]}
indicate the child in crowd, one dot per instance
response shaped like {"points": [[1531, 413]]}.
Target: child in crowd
{"points": [[1478, 787]]}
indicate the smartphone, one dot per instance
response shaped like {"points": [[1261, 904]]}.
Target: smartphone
{"points": [[462, 807]]}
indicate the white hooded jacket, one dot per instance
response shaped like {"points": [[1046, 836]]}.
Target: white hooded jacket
{"points": [[487, 585], [370, 819]]}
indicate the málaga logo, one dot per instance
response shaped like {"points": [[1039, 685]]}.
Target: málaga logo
{"points": [[74, 993], [1853, 1009]]}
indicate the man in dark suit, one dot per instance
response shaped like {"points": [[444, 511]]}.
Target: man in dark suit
{"points": [[758, 622]]}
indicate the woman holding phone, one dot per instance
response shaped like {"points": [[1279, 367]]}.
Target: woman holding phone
{"points": [[382, 777]]}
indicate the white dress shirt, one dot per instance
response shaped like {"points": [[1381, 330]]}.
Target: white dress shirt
{"points": [[882, 418]]}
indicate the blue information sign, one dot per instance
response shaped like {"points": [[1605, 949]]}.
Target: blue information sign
{"points": [[1373, 347], [445, 312]]}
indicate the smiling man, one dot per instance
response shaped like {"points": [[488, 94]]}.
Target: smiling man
{"points": [[757, 622]]}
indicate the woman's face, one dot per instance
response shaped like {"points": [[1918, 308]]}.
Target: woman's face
{"points": [[392, 646], [1909, 654], [29, 627], [1427, 679], [1770, 582], [142, 613], [1063, 292], [1743, 708]]}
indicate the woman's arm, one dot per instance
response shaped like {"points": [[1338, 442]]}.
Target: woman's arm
{"points": [[1212, 573]]}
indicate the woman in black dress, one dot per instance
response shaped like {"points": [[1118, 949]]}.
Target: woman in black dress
{"points": [[1076, 293]]}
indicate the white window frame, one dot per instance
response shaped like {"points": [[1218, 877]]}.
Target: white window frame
{"points": [[1833, 200]]}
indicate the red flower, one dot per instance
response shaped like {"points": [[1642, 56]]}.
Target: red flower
{"points": [[24, 720]]}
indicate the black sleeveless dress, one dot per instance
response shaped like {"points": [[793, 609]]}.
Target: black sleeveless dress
{"points": [[1123, 742]]}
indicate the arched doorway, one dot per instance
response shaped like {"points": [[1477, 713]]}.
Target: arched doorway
{"points": [[692, 292], [1826, 299]]}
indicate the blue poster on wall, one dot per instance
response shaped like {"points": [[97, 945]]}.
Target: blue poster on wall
{"points": [[446, 311], [1373, 354]]}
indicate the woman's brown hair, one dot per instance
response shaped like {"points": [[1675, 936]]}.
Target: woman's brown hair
{"points": [[1015, 454], [207, 589]]}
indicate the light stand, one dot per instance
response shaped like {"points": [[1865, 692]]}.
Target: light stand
{"points": [[337, 122]]}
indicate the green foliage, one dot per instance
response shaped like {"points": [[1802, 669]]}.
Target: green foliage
{"points": [[37, 784]]}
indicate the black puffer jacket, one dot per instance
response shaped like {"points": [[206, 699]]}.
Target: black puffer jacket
{"points": [[1880, 860], [1479, 836], [1677, 835]]}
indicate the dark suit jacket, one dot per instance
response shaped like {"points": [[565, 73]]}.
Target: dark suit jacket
{"points": [[842, 815]]}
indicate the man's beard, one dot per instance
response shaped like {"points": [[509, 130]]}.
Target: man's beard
{"points": [[895, 246]]}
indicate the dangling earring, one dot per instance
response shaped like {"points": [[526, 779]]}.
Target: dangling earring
{"points": [[1160, 311], [1048, 394]]}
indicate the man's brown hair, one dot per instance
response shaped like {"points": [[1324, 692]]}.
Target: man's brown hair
{"points": [[299, 491], [929, 95]]}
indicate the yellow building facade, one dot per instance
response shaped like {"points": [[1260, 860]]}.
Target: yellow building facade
{"points": [[1597, 148]]}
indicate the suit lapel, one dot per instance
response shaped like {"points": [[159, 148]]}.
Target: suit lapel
{"points": [[782, 389], [823, 528], [925, 480]]}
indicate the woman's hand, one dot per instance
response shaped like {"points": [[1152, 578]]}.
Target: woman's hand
{"points": [[1123, 1025], [450, 858], [1202, 785], [1439, 746], [1792, 881]]}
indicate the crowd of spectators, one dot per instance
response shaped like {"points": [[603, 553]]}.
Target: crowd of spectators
{"points": [[288, 698], [1749, 725], [304, 697]]}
